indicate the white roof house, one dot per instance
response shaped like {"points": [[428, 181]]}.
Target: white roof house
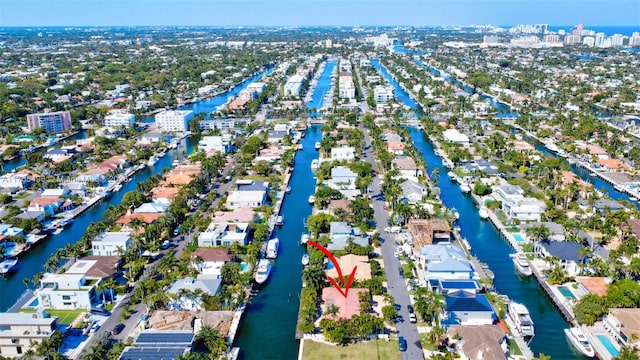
{"points": [[214, 143], [343, 178], [111, 243], [188, 288], [119, 118], [67, 291], [248, 193], [20, 330], [224, 234], [453, 135], [516, 205], [445, 261], [343, 153]]}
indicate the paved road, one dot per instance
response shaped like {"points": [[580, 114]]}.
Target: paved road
{"points": [[397, 287]]}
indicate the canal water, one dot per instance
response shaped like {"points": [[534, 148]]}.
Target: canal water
{"points": [[21, 160], [31, 263], [323, 86], [269, 324], [490, 248]]}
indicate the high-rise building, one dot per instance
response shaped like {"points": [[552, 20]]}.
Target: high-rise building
{"points": [[572, 39], [174, 120], [52, 122], [119, 118], [617, 40], [578, 30], [489, 39], [634, 40], [551, 38], [589, 41]]}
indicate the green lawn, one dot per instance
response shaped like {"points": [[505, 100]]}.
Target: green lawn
{"points": [[514, 349], [65, 316], [371, 350]]}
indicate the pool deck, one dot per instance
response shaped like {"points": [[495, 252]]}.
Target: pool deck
{"points": [[592, 333]]}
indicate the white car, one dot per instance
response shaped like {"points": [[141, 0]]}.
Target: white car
{"points": [[396, 254]]}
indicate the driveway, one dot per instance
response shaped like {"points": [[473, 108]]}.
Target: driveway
{"points": [[396, 286]]}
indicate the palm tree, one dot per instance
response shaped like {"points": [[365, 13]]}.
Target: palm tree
{"points": [[627, 353], [538, 233], [211, 339]]}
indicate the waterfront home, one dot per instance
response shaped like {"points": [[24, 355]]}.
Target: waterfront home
{"points": [[220, 144], [481, 165], [93, 174], [50, 205], [428, 231], [338, 205], [186, 291], [445, 261], [15, 181], [342, 153], [567, 252], [556, 231], [412, 191], [516, 206], [269, 154], [342, 233], [10, 230], [465, 308], [390, 135], [443, 287], [153, 138], [600, 205], [342, 178], [96, 267], [151, 207], [613, 165], [350, 261], [149, 344], [241, 214], [111, 243], [479, 342], [347, 306], [116, 162], [456, 137], [146, 218], [597, 151], [37, 215], [276, 136], [164, 195], [593, 285], [56, 193], [624, 324], [67, 291], [22, 331], [406, 167], [58, 155], [248, 193], [209, 261], [224, 234]]}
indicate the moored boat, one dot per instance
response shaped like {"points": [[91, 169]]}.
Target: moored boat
{"points": [[304, 238], [264, 268], [483, 212], [520, 316], [272, 248], [152, 161], [279, 220], [315, 164], [312, 199], [288, 190], [317, 145], [521, 263], [305, 259], [8, 265], [579, 341], [465, 187]]}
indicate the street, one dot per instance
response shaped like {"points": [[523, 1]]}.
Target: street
{"points": [[397, 287]]}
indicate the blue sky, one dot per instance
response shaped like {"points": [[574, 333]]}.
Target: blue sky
{"points": [[317, 12]]}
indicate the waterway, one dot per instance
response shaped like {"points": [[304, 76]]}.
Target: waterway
{"points": [[323, 86], [31, 263], [489, 247], [269, 324], [21, 160]]}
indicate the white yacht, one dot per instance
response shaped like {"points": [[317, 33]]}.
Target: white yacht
{"points": [[288, 190], [520, 316], [279, 220], [464, 186], [579, 341], [315, 164], [317, 145], [312, 199], [175, 162], [264, 268], [305, 259], [7, 266], [521, 264], [152, 161], [483, 212], [304, 238], [272, 248]]}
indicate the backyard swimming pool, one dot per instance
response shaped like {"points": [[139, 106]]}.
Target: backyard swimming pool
{"points": [[607, 343], [566, 292], [518, 237]]}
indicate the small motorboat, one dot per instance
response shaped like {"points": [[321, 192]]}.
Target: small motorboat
{"points": [[483, 212], [304, 238], [288, 190], [312, 199], [305, 259]]}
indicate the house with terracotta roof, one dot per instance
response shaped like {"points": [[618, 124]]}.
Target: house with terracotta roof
{"points": [[146, 218], [114, 163], [50, 205], [178, 179], [613, 164], [97, 267], [348, 263], [395, 147], [594, 285], [597, 151], [624, 324], [163, 194], [210, 260], [347, 306]]}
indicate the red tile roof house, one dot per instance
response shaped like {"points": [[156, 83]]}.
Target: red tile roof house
{"points": [[347, 307]]}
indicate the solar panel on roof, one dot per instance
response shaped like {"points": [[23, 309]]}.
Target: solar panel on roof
{"points": [[167, 338], [152, 353]]}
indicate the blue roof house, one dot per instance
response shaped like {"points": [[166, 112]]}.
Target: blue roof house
{"points": [[465, 308], [446, 262]]}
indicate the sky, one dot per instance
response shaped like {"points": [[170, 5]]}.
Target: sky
{"points": [[317, 12]]}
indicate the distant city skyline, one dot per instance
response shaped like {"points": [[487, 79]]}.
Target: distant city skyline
{"points": [[317, 12]]}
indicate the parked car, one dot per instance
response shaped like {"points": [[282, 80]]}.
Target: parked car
{"points": [[412, 318], [410, 308], [118, 328], [402, 343]]}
